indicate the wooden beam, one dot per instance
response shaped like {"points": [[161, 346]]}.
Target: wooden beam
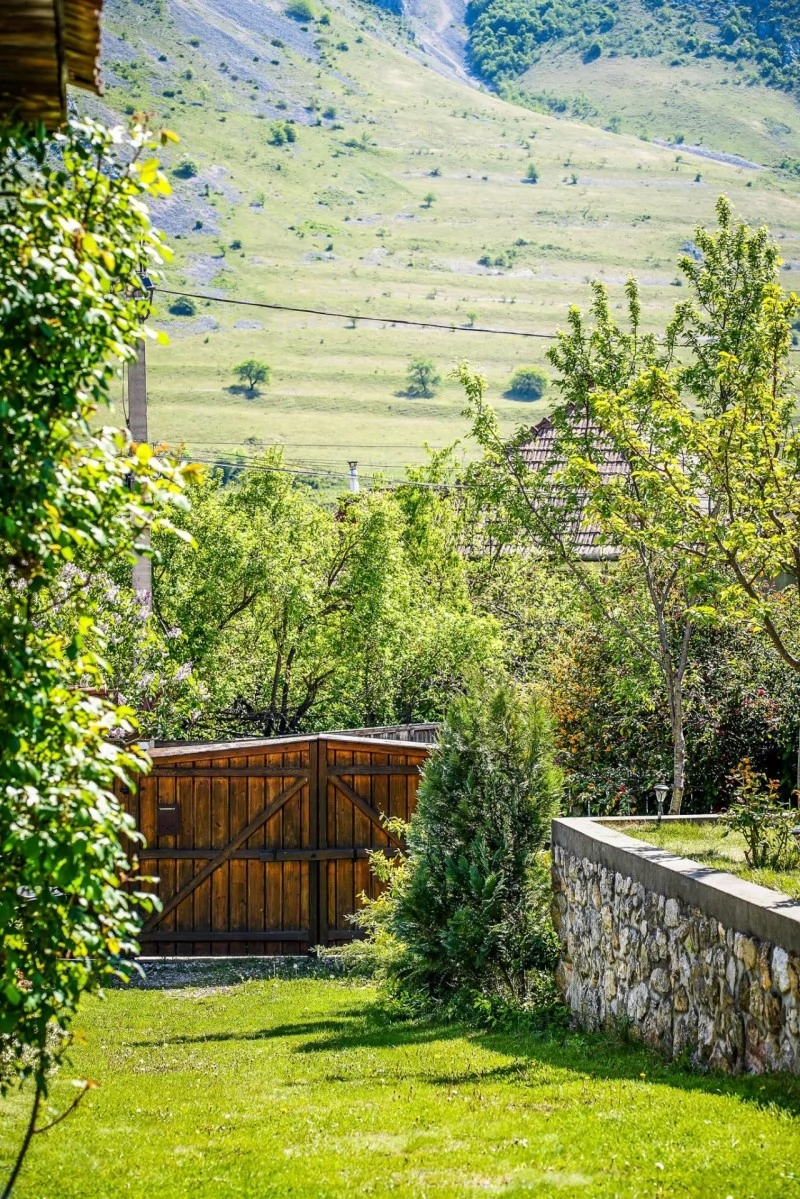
{"points": [[338, 771], [283, 934], [364, 807], [224, 772]]}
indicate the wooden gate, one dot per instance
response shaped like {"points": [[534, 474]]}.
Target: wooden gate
{"points": [[261, 846]]}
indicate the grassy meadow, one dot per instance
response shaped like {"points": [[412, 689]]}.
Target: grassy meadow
{"points": [[338, 220], [312, 1088]]}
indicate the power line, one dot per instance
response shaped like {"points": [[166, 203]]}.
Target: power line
{"points": [[237, 464], [384, 320], [350, 316]]}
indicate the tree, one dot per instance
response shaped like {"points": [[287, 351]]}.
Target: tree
{"points": [[708, 501], [298, 616], [423, 378], [73, 238], [528, 383], [573, 489], [468, 913], [252, 372], [301, 10], [532, 173], [428, 200], [183, 306]]}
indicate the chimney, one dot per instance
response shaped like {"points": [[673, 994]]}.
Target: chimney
{"points": [[353, 476]]}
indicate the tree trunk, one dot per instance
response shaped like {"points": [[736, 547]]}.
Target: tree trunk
{"points": [[678, 754]]}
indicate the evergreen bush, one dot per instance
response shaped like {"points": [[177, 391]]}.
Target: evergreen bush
{"points": [[465, 922]]}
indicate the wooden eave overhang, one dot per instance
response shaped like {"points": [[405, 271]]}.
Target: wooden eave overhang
{"points": [[44, 46]]}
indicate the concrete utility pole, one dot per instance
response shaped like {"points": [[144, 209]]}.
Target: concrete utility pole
{"points": [[353, 476], [142, 574]]}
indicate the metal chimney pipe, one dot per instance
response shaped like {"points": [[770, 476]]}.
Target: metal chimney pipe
{"points": [[353, 476]]}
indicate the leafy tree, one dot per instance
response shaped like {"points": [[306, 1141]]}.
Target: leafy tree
{"points": [[296, 616], [532, 173], [73, 236], [428, 200], [469, 911], [423, 378], [528, 383], [282, 132], [252, 372], [707, 504], [186, 169]]}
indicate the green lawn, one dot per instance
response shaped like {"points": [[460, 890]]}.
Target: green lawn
{"points": [[311, 1088], [709, 845]]}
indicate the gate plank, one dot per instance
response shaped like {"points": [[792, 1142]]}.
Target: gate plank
{"points": [[222, 857], [364, 807]]}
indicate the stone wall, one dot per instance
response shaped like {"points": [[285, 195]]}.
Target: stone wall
{"points": [[691, 960]]}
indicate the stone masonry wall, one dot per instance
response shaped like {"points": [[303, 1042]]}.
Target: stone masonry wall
{"points": [[682, 980]]}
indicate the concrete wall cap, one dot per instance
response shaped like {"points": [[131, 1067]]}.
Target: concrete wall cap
{"points": [[745, 907]]}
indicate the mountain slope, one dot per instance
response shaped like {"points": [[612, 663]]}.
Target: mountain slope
{"points": [[337, 219], [722, 73]]}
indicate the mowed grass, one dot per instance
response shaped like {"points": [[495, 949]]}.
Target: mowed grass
{"points": [[325, 224], [710, 845], [311, 1088]]}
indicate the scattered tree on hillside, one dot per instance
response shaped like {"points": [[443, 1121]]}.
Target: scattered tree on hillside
{"points": [[301, 10], [429, 200], [532, 173], [252, 372], [528, 383], [423, 378], [183, 306]]}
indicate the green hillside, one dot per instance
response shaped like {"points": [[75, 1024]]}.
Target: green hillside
{"points": [[723, 75], [337, 219]]}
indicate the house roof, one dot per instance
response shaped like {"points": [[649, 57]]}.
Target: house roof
{"points": [[45, 45], [541, 453]]}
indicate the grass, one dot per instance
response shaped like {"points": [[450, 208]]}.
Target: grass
{"points": [[709, 845], [311, 1088], [324, 223]]}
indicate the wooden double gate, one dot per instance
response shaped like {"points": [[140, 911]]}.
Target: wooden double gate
{"points": [[261, 847]]}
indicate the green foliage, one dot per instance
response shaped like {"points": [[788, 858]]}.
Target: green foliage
{"points": [[186, 169], [423, 377], [183, 306], [298, 616], [507, 36], [532, 173], [429, 200], [252, 372], [528, 383], [300, 10], [282, 133], [74, 234], [467, 914], [765, 823]]}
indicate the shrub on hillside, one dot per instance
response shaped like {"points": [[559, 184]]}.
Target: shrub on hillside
{"points": [[528, 383], [301, 10], [186, 169], [183, 306]]}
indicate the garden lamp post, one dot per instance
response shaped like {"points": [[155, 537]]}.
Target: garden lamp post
{"points": [[796, 835], [661, 790]]}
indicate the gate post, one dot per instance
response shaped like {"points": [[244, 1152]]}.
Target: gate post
{"points": [[323, 866]]}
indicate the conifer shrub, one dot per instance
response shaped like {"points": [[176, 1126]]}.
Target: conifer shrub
{"points": [[463, 926]]}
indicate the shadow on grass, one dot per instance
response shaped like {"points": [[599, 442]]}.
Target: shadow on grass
{"points": [[595, 1056]]}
